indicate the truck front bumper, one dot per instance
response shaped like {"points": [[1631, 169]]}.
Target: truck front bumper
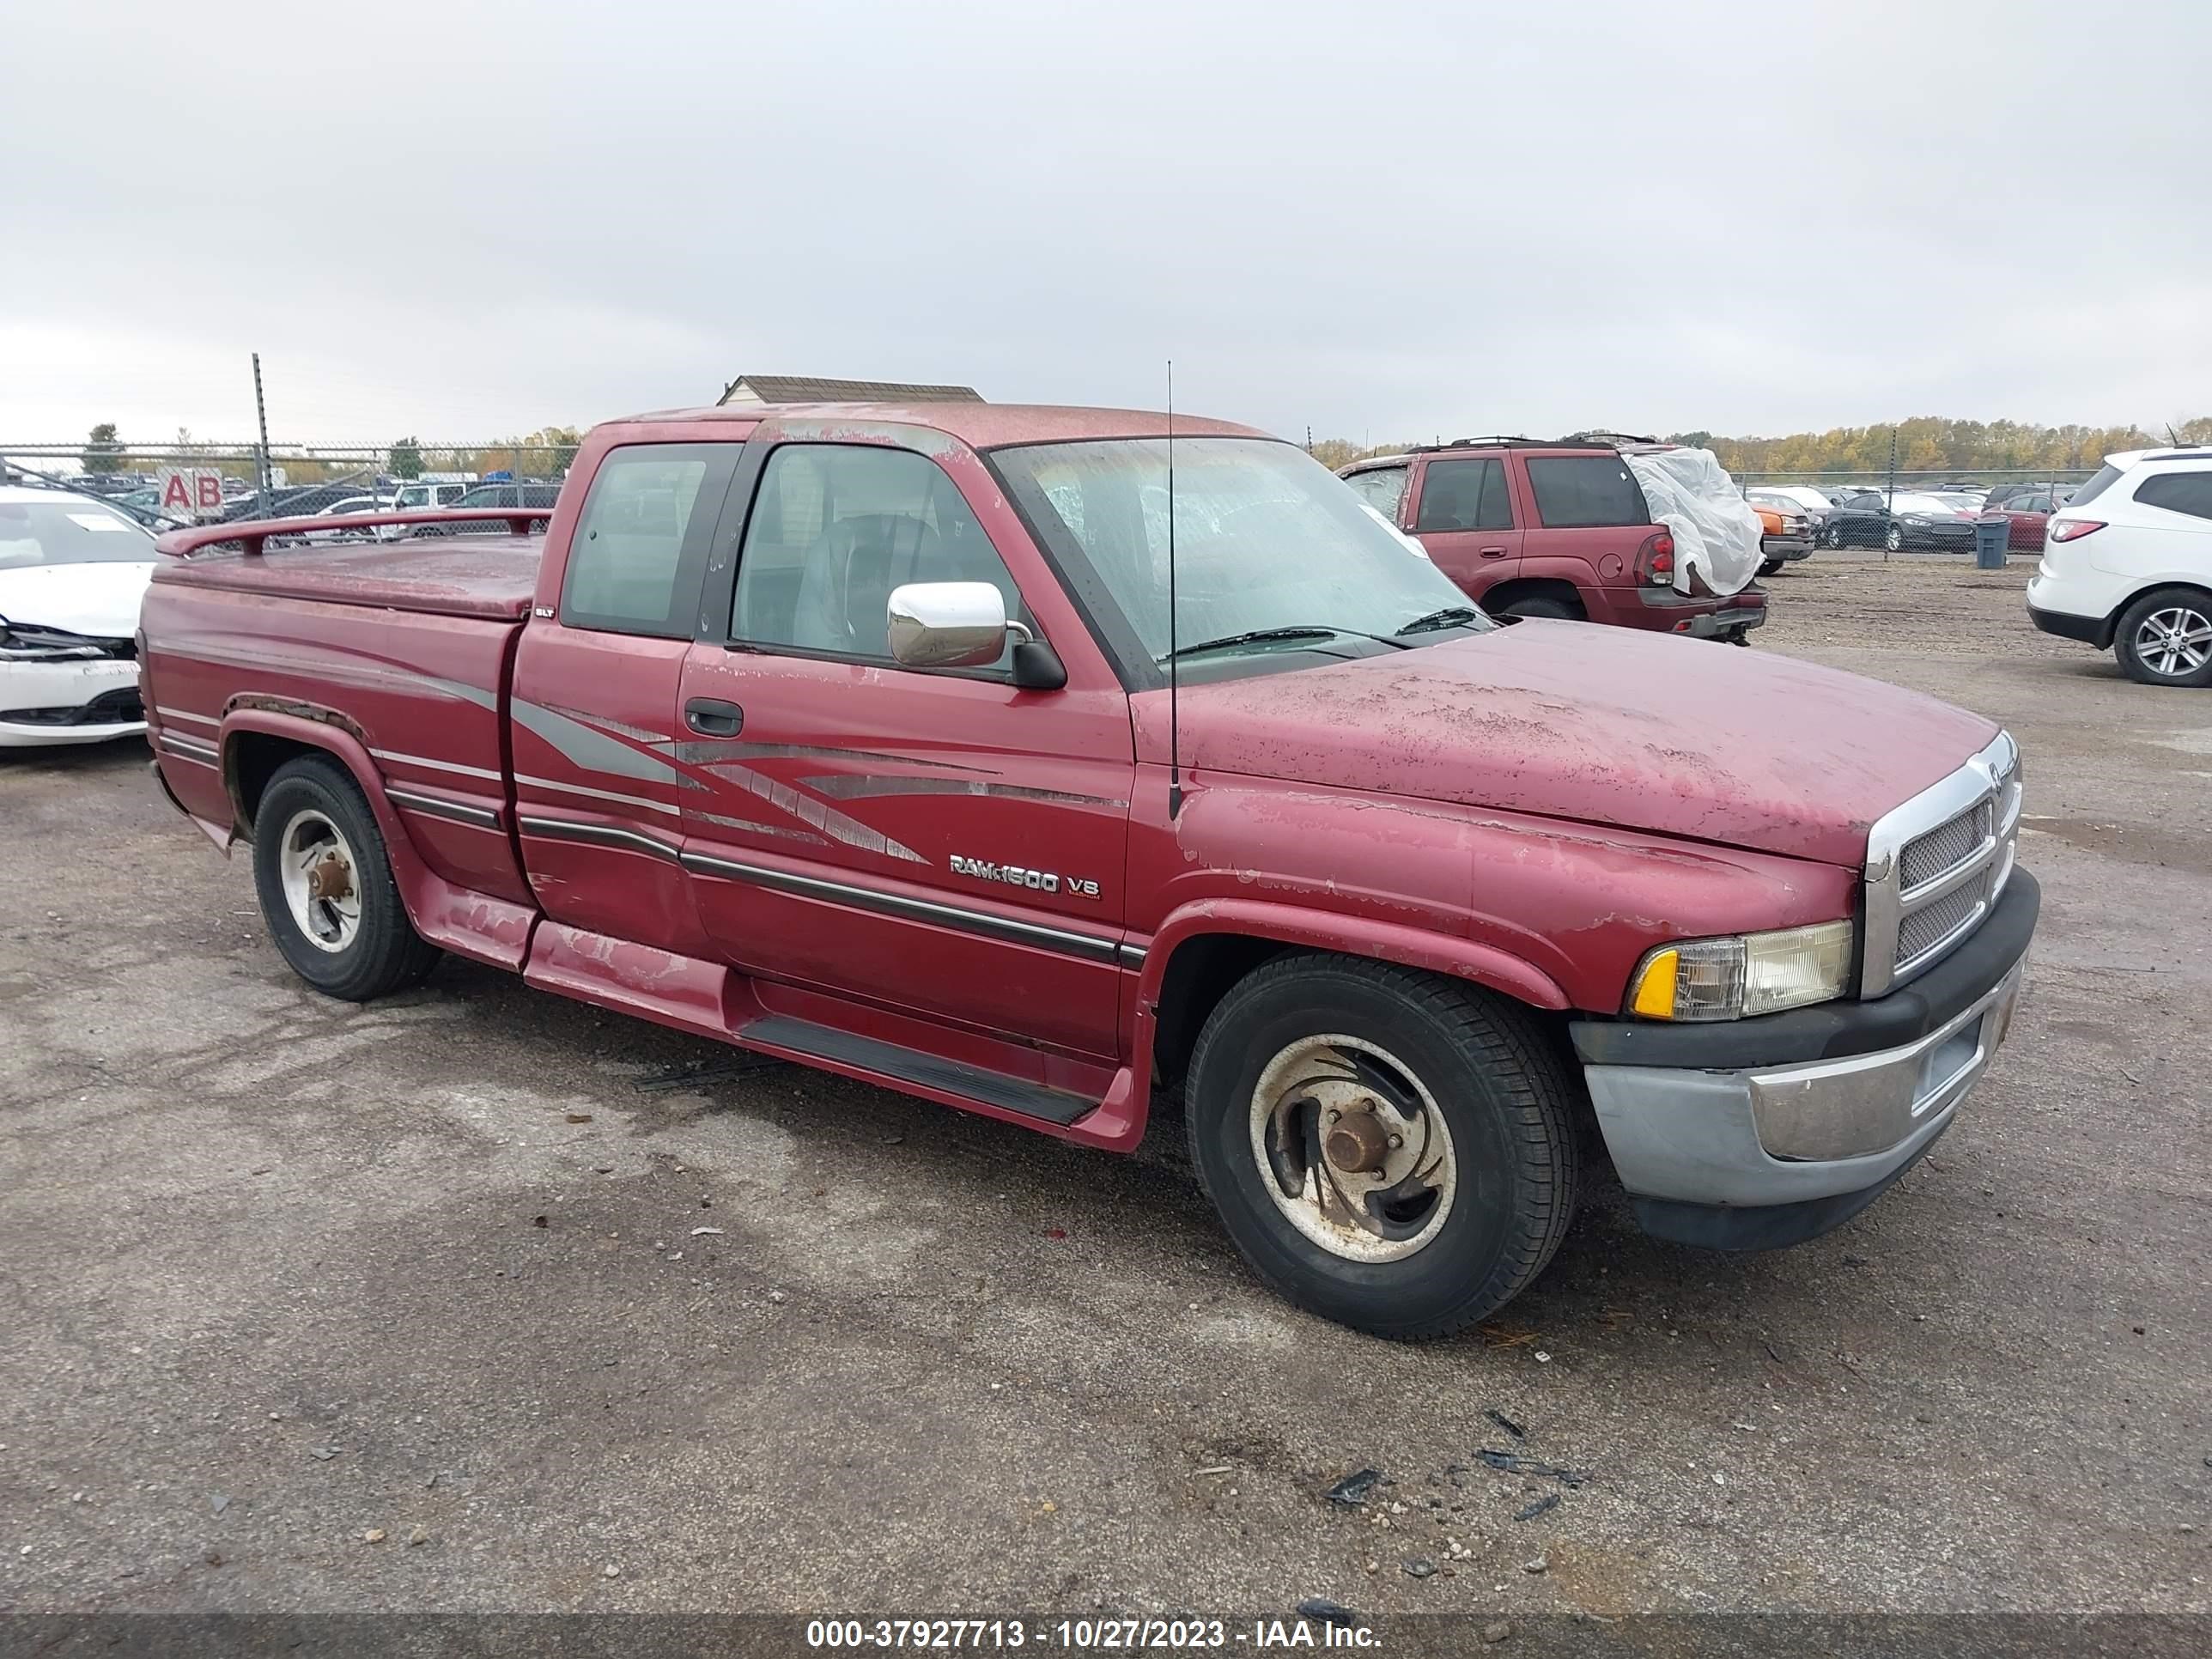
{"points": [[1793, 1123]]}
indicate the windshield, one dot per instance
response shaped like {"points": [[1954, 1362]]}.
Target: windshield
{"points": [[67, 532], [1266, 538]]}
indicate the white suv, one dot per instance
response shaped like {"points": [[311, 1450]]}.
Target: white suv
{"points": [[2127, 566]]}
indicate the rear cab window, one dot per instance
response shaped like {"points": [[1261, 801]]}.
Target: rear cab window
{"points": [[1582, 491], [640, 542]]}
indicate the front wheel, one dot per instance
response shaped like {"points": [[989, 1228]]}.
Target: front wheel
{"points": [[1835, 535], [326, 888], [2165, 638], [1771, 567], [1894, 538], [1388, 1149]]}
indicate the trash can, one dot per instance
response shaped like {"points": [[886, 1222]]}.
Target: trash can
{"points": [[1991, 535]]}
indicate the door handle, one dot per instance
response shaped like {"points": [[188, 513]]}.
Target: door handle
{"points": [[711, 717], [1492, 552]]}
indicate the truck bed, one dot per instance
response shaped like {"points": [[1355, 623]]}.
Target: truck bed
{"points": [[493, 577]]}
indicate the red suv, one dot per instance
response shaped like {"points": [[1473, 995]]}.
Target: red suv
{"points": [[1528, 528]]}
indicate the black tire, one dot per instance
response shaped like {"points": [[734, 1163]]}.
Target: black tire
{"points": [[1834, 538], [1894, 538], [2167, 609], [384, 953], [1537, 605], [1771, 567], [1504, 1098]]}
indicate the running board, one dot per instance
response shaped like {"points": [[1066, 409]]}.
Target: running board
{"points": [[804, 1040]]}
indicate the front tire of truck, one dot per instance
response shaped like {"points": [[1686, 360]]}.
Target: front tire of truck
{"points": [[1391, 1149], [326, 889]]}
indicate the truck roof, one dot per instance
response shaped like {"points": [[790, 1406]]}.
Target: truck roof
{"points": [[981, 425]]}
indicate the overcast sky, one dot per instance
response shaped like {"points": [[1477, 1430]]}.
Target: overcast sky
{"points": [[466, 220]]}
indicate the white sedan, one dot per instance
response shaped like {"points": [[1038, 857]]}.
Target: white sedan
{"points": [[72, 572]]}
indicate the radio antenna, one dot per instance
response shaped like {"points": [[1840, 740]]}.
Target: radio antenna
{"points": [[1174, 711]]}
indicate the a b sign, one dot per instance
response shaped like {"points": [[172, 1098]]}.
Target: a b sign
{"points": [[192, 492]]}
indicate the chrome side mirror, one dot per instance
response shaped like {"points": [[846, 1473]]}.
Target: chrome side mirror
{"points": [[949, 624]]}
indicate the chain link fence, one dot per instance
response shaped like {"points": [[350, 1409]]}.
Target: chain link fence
{"points": [[1919, 511]]}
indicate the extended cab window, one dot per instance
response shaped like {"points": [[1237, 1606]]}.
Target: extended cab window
{"points": [[2178, 492], [1464, 495], [834, 529], [1382, 488], [1580, 491], [640, 541]]}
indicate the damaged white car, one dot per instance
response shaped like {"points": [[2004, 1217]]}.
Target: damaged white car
{"points": [[72, 572]]}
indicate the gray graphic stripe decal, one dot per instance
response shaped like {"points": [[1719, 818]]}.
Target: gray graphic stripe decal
{"points": [[707, 752], [870, 786], [1088, 945], [482, 818], [605, 724], [189, 749], [186, 715], [592, 751], [826, 818], [778, 829], [600, 835], [437, 765], [596, 794]]}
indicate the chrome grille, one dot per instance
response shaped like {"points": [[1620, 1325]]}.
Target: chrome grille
{"points": [[1919, 932], [1936, 865], [1941, 851]]}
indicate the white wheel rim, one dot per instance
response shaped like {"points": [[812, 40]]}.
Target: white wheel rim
{"points": [[316, 866], [1324, 1093], [2175, 641]]}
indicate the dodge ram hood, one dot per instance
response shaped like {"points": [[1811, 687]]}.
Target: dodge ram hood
{"points": [[1597, 726], [100, 598]]}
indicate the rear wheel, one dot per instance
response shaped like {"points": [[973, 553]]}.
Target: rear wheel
{"points": [[2165, 638], [1388, 1149], [326, 889], [1537, 605]]}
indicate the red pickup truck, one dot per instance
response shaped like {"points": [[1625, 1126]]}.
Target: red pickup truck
{"points": [[1528, 527], [865, 737]]}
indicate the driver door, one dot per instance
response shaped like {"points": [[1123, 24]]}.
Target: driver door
{"points": [[940, 842]]}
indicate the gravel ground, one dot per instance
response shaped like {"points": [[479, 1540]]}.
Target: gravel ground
{"points": [[309, 1307]]}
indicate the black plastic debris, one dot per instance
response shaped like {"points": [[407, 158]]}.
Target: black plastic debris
{"points": [[1419, 1567], [1329, 1612], [1506, 1423], [1549, 1501], [1514, 1463], [1352, 1491]]}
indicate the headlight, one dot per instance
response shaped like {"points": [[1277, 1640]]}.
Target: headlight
{"points": [[1750, 974]]}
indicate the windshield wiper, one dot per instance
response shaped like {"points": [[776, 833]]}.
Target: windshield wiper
{"points": [[1259, 636], [1450, 616]]}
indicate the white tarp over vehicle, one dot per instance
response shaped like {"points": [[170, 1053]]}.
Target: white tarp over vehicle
{"points": [[1717, 534]]}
